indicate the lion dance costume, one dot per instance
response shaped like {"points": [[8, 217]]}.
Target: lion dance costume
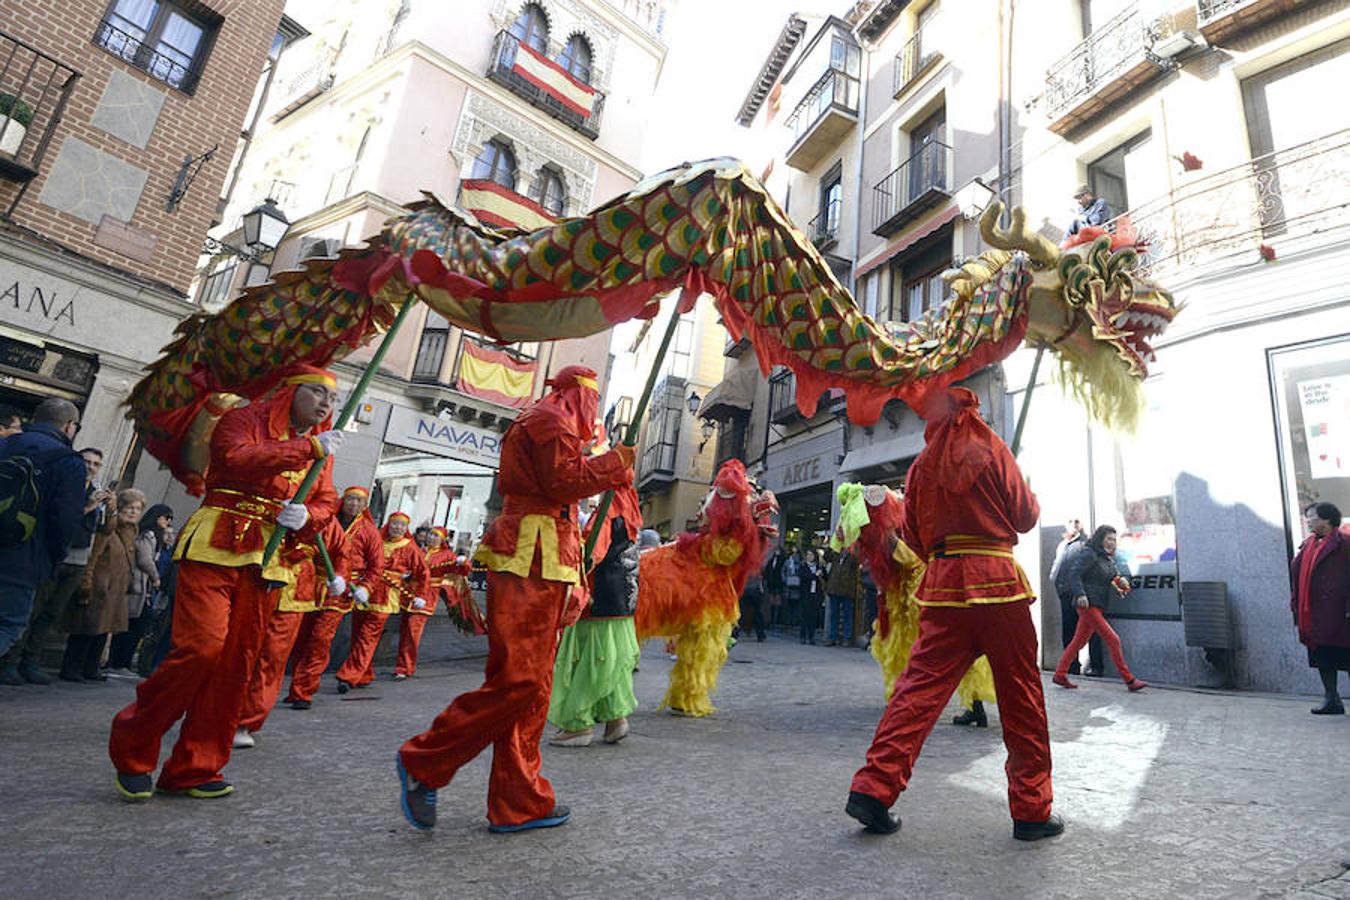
{"points": [[691, 588]]}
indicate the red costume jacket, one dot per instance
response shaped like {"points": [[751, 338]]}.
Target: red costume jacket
{"points": [[406, 577], [544, 472], [363, 557], [308, 591]]}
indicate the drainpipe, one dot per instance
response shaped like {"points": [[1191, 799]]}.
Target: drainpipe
{"points": [[866, 67], [1005, 103]]}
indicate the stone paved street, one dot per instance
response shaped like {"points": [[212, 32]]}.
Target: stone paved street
{"points": [[1168, 793]]}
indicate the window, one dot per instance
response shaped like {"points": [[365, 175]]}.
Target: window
{"points": [[531, 28], [548, 190], [831, 193], [431, 349], [496, 162], [845, 57], [216, 289], [681, 353], [161, 38], [1112, 175], [576, 58], [916, 278]]}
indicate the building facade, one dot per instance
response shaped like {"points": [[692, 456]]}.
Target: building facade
{"points": [[519, 114], [109, 113]]}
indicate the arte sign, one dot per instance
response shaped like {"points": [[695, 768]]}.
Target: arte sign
{"points": [[806, 471], [455, 440]]}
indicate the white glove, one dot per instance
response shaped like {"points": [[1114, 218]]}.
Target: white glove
{"points": [[419, 603], [337, 586], [331, 442], [293, 516], [361, 594]]}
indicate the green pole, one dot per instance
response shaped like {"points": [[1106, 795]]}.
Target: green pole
{"points": [[343, 418], [323, 555], [631, 436], [1026, 401]]}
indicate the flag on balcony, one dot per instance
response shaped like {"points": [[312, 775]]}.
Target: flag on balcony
{"points": [[500, 206], [553, 79], [494, 375]]}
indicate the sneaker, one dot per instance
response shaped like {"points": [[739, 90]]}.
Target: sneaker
{"points": [[399, 676], [558, 816], [1136, 684], [208, 790], [10, 675], [572, 738], [134, 788], [872, 813], [33, 675], [243, 739], [418, 800], [343, 687], [1035, 831], [300, 704], [616, 731], [1063, 681]]}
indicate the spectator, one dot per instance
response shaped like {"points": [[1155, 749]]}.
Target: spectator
{"points": [[101, 605], [752, 605], [773, 584], [1092, 211], [159, 640], [793, 578], [1094, 579], [1320, 600], [11, 420], [422, 536], [1068, 612], [45, 442], [812, 592], [843, 588], [145, 580]]}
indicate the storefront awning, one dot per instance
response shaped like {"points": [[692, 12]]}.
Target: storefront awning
{"points": [[898, 450], [733, 394]]}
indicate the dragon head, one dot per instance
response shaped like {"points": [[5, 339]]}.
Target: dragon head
{"points": [[1090, 308]]}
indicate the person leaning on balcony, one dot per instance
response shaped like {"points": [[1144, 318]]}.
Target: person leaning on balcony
{"points": [[1092, 211]]}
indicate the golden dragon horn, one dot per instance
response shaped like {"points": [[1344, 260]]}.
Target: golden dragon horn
{"points": [[1018, 237]]}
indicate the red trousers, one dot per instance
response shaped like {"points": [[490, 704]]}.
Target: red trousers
{"points": [[509, 710], [265, 685], [950, 639], [1090, 620], [410, 628], [359, 668], [312, 647], [219, 618]]}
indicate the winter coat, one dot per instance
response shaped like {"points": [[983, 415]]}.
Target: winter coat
{"points": [[141, 590], [61, 489], [101, 605], [1329, 589], [843, 580], [773, 573], [1087, 572]]}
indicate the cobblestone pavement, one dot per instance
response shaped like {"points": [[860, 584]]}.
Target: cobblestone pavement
{"points": [[1168, 793]]}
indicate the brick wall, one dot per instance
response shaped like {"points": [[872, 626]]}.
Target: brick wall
{"points": [[187, 126]]}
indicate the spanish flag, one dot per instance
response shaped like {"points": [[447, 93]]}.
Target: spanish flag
{"points": [[553, 79], [500, 206], [494, 375]]}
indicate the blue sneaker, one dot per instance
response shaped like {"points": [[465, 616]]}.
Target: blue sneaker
{"points": [[559, 815], [418, 802]]}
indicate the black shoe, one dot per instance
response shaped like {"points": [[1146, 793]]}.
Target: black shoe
{"points": [[301, 704], [1034, 831], [418, 800], [872, 813], [1075, 668], [1330, 708], [10, 675], [98, 677], [33, 675], [343, 687], [1092, 672], [135, 788], [70, 676], [974, 716]]}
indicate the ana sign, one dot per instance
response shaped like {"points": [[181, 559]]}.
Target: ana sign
{"points": [[455, 440]]}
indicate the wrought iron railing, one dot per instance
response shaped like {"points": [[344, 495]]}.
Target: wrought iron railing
{"points": [[661, 442], [783, 396], [1284, 198], [1106, 53], [824, 228], [34, 91], [304, 86], [833, 90], [1207, 11], [501, 69], [133, 50], [929, 170], [912, 61]]}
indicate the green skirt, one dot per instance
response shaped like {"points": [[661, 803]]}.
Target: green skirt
{"points": [[593, 674]]}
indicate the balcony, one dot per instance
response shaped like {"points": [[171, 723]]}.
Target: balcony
{"points": [[303, 87], [130, 49], [735, 348], [34, 91], [783, 397], [1294, 198], [920, 183], [661, 442], [824, 228], [1222, 19], [912, 62], [1104, 70], [822, 118], [543, 83]]}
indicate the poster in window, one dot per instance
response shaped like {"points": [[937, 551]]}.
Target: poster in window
{"points": [[1325, 403]]}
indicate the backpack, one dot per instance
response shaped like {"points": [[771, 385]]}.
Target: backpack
{"points": [[614, 581], [20, 500]]}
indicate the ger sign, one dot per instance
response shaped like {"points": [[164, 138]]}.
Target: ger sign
{"points": [[456, 440]]}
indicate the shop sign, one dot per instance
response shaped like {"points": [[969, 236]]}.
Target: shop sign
{"points": [[33, 300], [804, 472], [454, 440]]}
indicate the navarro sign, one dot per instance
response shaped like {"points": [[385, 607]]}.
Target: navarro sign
{"points": [[456, 440]]}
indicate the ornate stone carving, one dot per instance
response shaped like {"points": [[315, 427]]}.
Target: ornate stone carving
{"points": [[565, 18]]}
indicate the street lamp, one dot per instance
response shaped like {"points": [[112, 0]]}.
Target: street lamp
{"points": [[693, 402], [264, 227], [709, 429]]}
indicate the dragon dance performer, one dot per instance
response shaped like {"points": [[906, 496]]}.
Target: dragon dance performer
{"points": [[450, 578], [870, 516], [532, 551], [413, 622], [691, 588], [966, 502], [258, 456], [593, 675], [364, 559], [406, 583], [302, 596]]}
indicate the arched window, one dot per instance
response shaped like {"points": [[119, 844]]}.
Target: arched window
{"points": [[496, 162], [531, 27], [550, 192], [576, 58]]}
